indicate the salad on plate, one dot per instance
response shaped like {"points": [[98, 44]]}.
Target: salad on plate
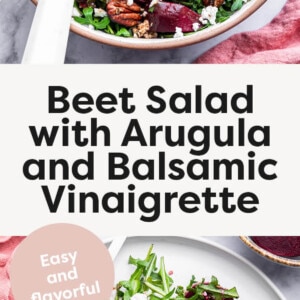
{"points": [[151, 281]]}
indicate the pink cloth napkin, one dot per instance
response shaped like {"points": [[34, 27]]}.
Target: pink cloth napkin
{"points": [[7, 246], [276, 43]]}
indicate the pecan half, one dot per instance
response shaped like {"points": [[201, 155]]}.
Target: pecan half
{"points": [[216, 3], [122, 13], [142, 30]]}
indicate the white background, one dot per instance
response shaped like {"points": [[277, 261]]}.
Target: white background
{"points": [[24, 100]]}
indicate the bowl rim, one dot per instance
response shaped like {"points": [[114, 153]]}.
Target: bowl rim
{"points": [[158, 44], [273, 257]]}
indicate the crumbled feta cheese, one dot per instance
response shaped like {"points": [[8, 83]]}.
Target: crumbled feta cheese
{"points": [[196, 26], [178, 32], [129, 2], [209, 14], [76, 12], [99, 12], [139, 296], [153, 2]]}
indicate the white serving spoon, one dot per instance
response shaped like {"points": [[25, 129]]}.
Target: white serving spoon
{"points": [[48, 37]]}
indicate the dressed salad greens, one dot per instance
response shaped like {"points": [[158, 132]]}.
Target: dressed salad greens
{"points": [[153, 18], [151, 281]]}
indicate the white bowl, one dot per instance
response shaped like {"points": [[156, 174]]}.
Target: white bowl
{"points": [[288, 261]]}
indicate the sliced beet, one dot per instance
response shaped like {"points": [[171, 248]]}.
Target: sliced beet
{"points": [[167, 16], [288, 246]]}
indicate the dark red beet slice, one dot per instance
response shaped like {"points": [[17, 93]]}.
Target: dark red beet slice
{"points": [[167, 16], [288, 246]]}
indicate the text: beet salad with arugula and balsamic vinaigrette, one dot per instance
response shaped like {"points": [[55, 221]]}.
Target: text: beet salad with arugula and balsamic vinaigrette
{"points": [[153, 18]]}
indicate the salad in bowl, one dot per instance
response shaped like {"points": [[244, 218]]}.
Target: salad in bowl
{"points": [[157, 24], [154, 18]]}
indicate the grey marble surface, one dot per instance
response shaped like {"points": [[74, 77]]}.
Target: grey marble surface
{"points": [[16, 18]]}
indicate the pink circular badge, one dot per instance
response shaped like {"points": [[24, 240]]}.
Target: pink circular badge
{"points": [[62, 261]]}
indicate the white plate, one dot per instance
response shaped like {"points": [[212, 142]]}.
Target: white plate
{"points": [[202, 258]]}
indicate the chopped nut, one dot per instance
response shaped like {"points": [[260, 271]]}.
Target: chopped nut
{"points": [[142, 31]]}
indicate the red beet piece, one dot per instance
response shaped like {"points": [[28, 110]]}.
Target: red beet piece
{"points": [[288, 246], [167, 16]]}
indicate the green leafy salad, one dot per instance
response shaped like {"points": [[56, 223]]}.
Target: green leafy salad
{"points": [[153, 18], [151, 281]]}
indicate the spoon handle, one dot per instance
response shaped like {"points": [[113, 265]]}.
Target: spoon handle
{"points": [[116, 245], [48, 37]]}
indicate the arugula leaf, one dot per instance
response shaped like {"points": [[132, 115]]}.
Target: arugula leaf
{"points": [[88, 19], [237, 4], [212, 288], [101, 24], [123, 32], [138, 262], [166, 280], [151, 265]]}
